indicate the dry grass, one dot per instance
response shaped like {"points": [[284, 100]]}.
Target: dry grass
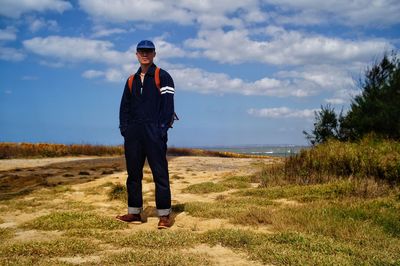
{"points": [[118, 192], [29, 150], [333, 220], [228, 183], [150, 256], [10, 150], [199, 152], [73, 220], [369, 158]]}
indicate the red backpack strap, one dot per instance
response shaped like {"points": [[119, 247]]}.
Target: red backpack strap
{"points": [[130, 82], [157, 78]]}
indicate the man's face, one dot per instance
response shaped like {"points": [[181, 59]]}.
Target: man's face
{"points": [[145, 56]]}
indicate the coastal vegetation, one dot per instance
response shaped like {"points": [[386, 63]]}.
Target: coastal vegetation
{"points": [[265, 217], [368, 158], [375, 110], [9, 150]]}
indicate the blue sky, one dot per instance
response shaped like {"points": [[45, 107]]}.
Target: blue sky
{"points": [[245, 72]]}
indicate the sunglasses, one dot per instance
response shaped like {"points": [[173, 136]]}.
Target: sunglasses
{"points": [[145, 50]]}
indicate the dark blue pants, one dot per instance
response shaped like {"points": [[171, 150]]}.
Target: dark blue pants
{"points": [[147, 141]]}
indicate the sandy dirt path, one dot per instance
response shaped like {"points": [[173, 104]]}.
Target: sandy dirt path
{"points": [[10, 164], [92, 187]]}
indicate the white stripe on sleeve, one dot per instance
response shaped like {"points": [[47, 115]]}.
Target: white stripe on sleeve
{"points": [[167, 89]]}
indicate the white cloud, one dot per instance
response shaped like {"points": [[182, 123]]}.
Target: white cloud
{"points": [[325, 76], [104, 32], [335, 101], [207, 13], [8, 34], [115, 75], [90, 74], [36, 24], [167, 50], [54, 64], [74, 49], [11, 54], [300, 83], [200, 81], [211, 14], [358, 13], [343, 96], [14, 9], [282, 112], [150, 10], [282, 47]]}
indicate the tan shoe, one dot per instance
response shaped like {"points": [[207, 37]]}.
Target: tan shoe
{"points": [[165, 222], [130, 218]]}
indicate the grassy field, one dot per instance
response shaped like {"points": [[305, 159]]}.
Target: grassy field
{"points": [[254, 213]]}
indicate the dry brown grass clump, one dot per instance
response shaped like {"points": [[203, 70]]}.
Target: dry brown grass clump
{"points": [[34, 150], [27, 150], [200, 152], [369, 158]]}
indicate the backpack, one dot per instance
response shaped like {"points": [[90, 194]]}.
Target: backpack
{"points": [[156, 77], [158, 85]]}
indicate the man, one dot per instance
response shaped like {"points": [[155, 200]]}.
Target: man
{"points": [[146, 113]]}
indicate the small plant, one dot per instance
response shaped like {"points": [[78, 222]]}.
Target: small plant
{"points": [[177, 177], [118, 192]]}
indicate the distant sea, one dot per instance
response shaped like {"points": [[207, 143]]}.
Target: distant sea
{"points": [[272, 150]]}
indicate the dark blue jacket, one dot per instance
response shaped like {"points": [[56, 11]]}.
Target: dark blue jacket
{"points": [[147, 103]]}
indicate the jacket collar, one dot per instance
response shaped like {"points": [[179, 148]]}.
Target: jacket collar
{"points": [[150, 71]]}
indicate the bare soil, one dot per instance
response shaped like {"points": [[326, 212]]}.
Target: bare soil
{"points": [[84, 176]]}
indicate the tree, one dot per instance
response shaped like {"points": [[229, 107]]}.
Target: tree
{"points": [[326, 125], [376, 110]]}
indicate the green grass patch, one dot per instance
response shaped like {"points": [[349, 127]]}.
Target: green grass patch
{"points": [[148, 256], [232, 182], [88, 233], [383, 213], [236, 182], [205, 187], [332, 190], [373, 223], [246, 211], [73, 220], [156, 239], [293, 248], [231, 238], [118, 192], [55, 248], [6, 233]]}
